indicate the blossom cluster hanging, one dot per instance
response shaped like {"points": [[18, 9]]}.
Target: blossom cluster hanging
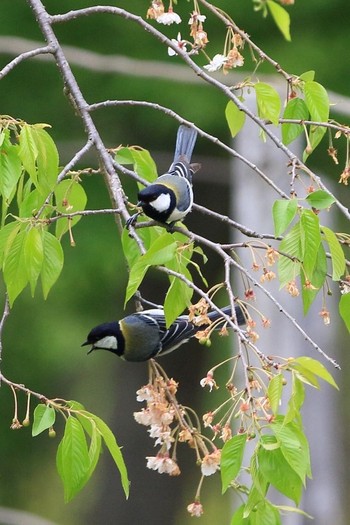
{"points": [[231, 56]]}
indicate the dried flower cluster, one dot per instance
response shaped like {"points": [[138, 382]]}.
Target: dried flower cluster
{"points": [[169, 424]]}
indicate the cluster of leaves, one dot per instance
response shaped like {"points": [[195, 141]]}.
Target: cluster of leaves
{"points": [[303, 248], [171, 250], [281, 456], [311, 104], [81, 445], [30, 197]]}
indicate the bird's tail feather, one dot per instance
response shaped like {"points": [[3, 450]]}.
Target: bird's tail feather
{"points": [[241, 319], [185, 142]]}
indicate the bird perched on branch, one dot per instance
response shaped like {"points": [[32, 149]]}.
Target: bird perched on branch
{"points": [[170, 197], [143, 335]]}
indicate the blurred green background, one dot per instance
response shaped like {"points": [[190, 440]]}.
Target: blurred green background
{"points": [[42, 338]]}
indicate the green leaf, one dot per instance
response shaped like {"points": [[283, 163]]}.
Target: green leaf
{"points": [[52, 262], [10, 169], [28, 152], [231, 459], [7, 235], [235, 118], [311, 240], [289, 267], [47, 160], [178, 297], [274, 392], [317, 279], [161, 251], [293, 445], [337, 254], [281, 18], [317, 368], [296, 400], [124, 156], [33, 256], [296, 109], [15, 273], [308, 75], [320, 199], [44, 418], [238, 519], [90, 427], [277, 471], [70, 197], [344, 309], [317, 101], [72, 458], [31, 203], [283, 212], [114, 450], [143, 163], [268, 101], [131, 249]]}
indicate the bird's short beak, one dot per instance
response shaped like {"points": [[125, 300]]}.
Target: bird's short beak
{"points": [[91, 349]]}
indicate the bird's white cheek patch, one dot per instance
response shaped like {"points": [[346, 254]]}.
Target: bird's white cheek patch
{"points": [[108, 342], [161, 203]]}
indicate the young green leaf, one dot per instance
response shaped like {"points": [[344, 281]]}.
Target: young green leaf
{"points": [[317, 101], [70, 197], [10, 169], [289, 267], [28, 152], [281, 18], [7, 235], [283, 212], [124, 156], [31, 203], [337, 254], [33, 256], [131, 249], [294, 446], [235, 118], [277, 471], [320, 199], [317, 279], [15, 273], [114, 449], [44, 418], [296, 109], [144, 165], [311, 240], [178, 297], [268, 101], [52, 262], [296, 400], [317, 368], [161, 251], [274, 392], [231, 459], [344, 309], [72, 458], [307, 76], [47, 160]]}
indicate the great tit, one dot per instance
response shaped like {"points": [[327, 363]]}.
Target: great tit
{"points": [[170, 197], [143, 335]]}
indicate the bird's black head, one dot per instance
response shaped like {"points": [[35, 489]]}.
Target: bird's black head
{"points": [[106, 336], [157, 201]]}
